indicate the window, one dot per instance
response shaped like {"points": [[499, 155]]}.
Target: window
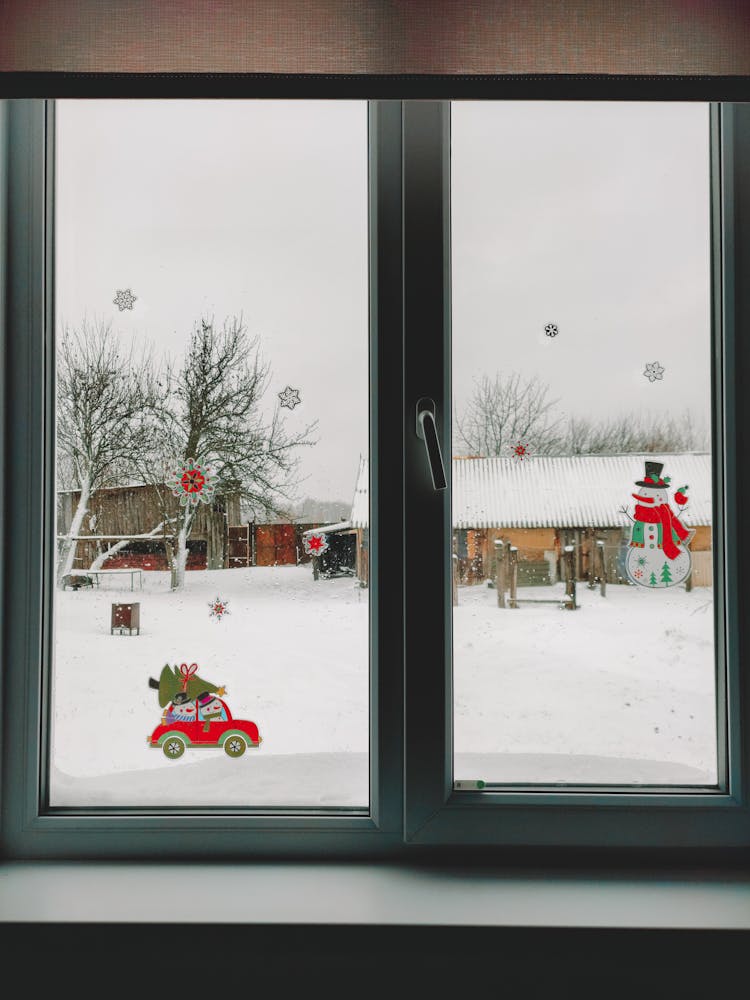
{"points": [[486, 251], [210, 331]]}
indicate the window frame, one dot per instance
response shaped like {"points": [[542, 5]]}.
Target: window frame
{"points": [[545, 816], [30, 829], [414, 812]]}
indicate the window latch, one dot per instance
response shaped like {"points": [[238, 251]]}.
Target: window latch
{"points": [[427, 430]]}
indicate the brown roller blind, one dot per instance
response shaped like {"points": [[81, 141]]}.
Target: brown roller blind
{"points": [[693, 37]]}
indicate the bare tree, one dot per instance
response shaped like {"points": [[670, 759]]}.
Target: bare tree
{"points": [[211, 412], [102, 427], [505, 411], [627, 434]]}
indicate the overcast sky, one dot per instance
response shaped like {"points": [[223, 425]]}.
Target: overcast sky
{"points": [[591, 216]]}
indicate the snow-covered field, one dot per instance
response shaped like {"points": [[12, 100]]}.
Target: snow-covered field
{"points": [[621, 690]]}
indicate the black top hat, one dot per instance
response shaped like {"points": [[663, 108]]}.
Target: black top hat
{"points": [[653, 475], [181, 697]]}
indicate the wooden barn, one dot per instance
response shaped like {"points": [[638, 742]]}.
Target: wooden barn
{"points": [[541, 505], [128, 513]]}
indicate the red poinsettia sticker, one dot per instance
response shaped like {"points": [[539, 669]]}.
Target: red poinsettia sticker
{"points": [[315, 544]]}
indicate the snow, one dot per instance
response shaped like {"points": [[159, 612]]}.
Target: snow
{"points": [[621, 690]]}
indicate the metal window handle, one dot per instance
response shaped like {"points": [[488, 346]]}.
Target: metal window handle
{"points": [[427, 430]]}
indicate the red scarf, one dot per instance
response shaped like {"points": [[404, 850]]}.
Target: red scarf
{"points": [[663, 515]]}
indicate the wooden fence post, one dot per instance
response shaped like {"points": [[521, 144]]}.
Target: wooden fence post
{"points": [[593, 558], [602, 568], [570, 577], [513, 603], [500, 583]]}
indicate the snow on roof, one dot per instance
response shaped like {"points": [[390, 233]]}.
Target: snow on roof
{"points": [[338, 526], [559, 492], [360, 515]]}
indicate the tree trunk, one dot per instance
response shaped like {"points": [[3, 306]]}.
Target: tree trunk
{"points": [[179, 560], [69, 544]]}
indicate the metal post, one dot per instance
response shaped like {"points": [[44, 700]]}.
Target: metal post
{"points": [[602, 568]]}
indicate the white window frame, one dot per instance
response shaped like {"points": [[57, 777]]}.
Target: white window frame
{"points": [[414, 810]]}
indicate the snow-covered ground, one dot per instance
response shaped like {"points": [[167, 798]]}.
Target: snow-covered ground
{"points": [[621, 690]]}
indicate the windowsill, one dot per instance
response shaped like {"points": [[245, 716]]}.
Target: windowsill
{"points": [[367, 894]]}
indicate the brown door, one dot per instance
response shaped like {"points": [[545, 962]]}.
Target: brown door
{"points": [[286, 549], [239, 545], [265, 545]]}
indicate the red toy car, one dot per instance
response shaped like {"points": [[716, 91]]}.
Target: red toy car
{"points": [[234, 735]]}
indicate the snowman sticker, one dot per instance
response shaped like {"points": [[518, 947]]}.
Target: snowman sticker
{"points": [[658, 555]]}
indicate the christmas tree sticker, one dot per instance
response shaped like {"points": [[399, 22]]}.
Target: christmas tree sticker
{"points": [[652, 579], [174, 680], [666, 576]]}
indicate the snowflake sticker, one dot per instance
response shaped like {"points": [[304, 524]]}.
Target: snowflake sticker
{"points": [[315, 545], [289, 397], [520, 451], [124, 299], [551, 330], [191, 482], [218, 608], [653, 371]]}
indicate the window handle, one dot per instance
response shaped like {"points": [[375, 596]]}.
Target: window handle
{"points": [[427, 430]]}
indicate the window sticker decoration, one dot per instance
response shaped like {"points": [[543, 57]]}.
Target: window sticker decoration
{"points": [[196, 715], [124, 299], [520, 451], [289, 397], [183, 679], [654, 371], [218, 609], [551, 329], [315, 544], [191, 482], [658, 554]]}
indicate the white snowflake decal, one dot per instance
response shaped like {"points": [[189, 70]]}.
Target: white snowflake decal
{"points": [[654, 371], [124, 299], [551, 330], [289, 397]]}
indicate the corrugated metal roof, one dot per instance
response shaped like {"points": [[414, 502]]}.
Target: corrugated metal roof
{"points": [[567, 492], [329, 528]]}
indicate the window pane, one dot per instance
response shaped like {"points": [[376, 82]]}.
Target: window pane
{"points": [[583, 619], [212, 415]]}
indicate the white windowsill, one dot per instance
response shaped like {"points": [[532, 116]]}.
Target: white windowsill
{"points": [[367, 894]]}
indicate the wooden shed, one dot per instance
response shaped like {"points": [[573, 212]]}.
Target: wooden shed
{"points": [[124, 512], [540, 505]]}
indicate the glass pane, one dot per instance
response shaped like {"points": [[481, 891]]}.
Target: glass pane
{"points": [[583, 619], [211, 612]]}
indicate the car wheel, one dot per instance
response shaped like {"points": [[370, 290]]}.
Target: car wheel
{"points": [[173, 747], [235, 746]]}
